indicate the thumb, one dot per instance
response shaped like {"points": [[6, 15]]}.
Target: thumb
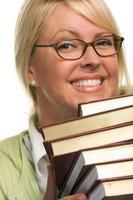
{"points": [[51, 185]]}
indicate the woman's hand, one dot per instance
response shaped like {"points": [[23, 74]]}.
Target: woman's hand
{"points": [[51, 189], [51, 186], [79, 196]]}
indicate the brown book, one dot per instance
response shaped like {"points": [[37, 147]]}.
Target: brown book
{"points": [[96, 121], [104, 105], [101, 172], [99, 130], [121, 189], [91, 139], [86, 160]]}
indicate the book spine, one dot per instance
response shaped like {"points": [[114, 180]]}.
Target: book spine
{"points": [[48, 149]]}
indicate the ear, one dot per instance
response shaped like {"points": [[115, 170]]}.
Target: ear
{"points": [[32, 76], [32, 79]]}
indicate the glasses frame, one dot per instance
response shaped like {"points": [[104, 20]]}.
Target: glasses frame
{"points": [[86, 45]]}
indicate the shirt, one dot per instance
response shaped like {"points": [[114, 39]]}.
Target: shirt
{"points": [[37, 155]]}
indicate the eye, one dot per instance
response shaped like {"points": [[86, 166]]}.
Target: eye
{"points": [[66, 46], [103, 43]]}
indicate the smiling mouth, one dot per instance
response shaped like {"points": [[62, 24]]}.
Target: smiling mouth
{"points": [[87, 83]]}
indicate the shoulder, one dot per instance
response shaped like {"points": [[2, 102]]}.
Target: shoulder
{"points": [[16, 172], [11, 150], [12, 146], [11, 161]]}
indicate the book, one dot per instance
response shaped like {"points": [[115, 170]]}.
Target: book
{"points": [[104, 105], [104, 172], [82, 124], [98, 130], [91, 139], [121, 189], [88, 158], [57, 148]]}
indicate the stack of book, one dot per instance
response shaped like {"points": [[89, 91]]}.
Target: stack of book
{"points": [[93, 153]]}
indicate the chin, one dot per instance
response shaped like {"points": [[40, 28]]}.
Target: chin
{"points": [[94, 98]]}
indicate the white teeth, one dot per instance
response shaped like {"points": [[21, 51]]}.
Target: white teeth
{"points": [[87, 83]]}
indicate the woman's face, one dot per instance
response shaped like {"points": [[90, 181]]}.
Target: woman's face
{"points": [[62, 84]]}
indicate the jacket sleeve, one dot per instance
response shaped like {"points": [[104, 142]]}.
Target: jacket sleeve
{"points": [[17, 175], [2, 196], [9, 171], [3, 178]]}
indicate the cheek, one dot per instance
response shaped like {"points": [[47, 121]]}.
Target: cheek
{"points": [[44, 67], [112, 67], [113, 76], [51, 76]]}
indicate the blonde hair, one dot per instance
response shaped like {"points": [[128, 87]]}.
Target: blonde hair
{"points": [[32, 21]]}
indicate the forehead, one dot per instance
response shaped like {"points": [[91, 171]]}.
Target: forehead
{"points": [[64, 20]]}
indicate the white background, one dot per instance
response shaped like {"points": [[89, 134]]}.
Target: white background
{"points": [[14, 106]]}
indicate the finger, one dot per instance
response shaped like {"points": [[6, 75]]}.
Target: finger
{"points": [[79, 196]]}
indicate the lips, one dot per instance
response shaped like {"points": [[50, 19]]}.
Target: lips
{"points": [[87, 83]]}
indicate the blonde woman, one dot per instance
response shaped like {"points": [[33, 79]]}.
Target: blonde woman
{"points": [[67, 52]]}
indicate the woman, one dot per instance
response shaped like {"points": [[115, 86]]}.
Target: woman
{"points": [[67, 52]]}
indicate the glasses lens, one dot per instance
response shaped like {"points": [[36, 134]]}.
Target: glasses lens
{"points": [[108, 45], [118, 42], [70, 49]]}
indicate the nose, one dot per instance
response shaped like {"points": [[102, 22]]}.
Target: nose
{"points": [[91, 59]]}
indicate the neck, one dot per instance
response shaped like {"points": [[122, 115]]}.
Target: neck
{"points": [[46, 117]]}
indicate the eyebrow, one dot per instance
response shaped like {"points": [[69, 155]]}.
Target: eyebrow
{"points": [[66, 31], [103, 34], [77, 34]]}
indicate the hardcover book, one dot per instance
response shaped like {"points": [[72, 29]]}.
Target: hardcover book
{"points": [[81, 150], [88, 123], [91, 139], [89, 159], [106, 171], [121, 189], [104, 105]]}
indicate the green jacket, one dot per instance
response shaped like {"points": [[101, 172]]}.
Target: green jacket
{"points": [[17, 175]]}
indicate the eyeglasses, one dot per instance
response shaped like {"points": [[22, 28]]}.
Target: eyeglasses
{"points": [[74, 49]]}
